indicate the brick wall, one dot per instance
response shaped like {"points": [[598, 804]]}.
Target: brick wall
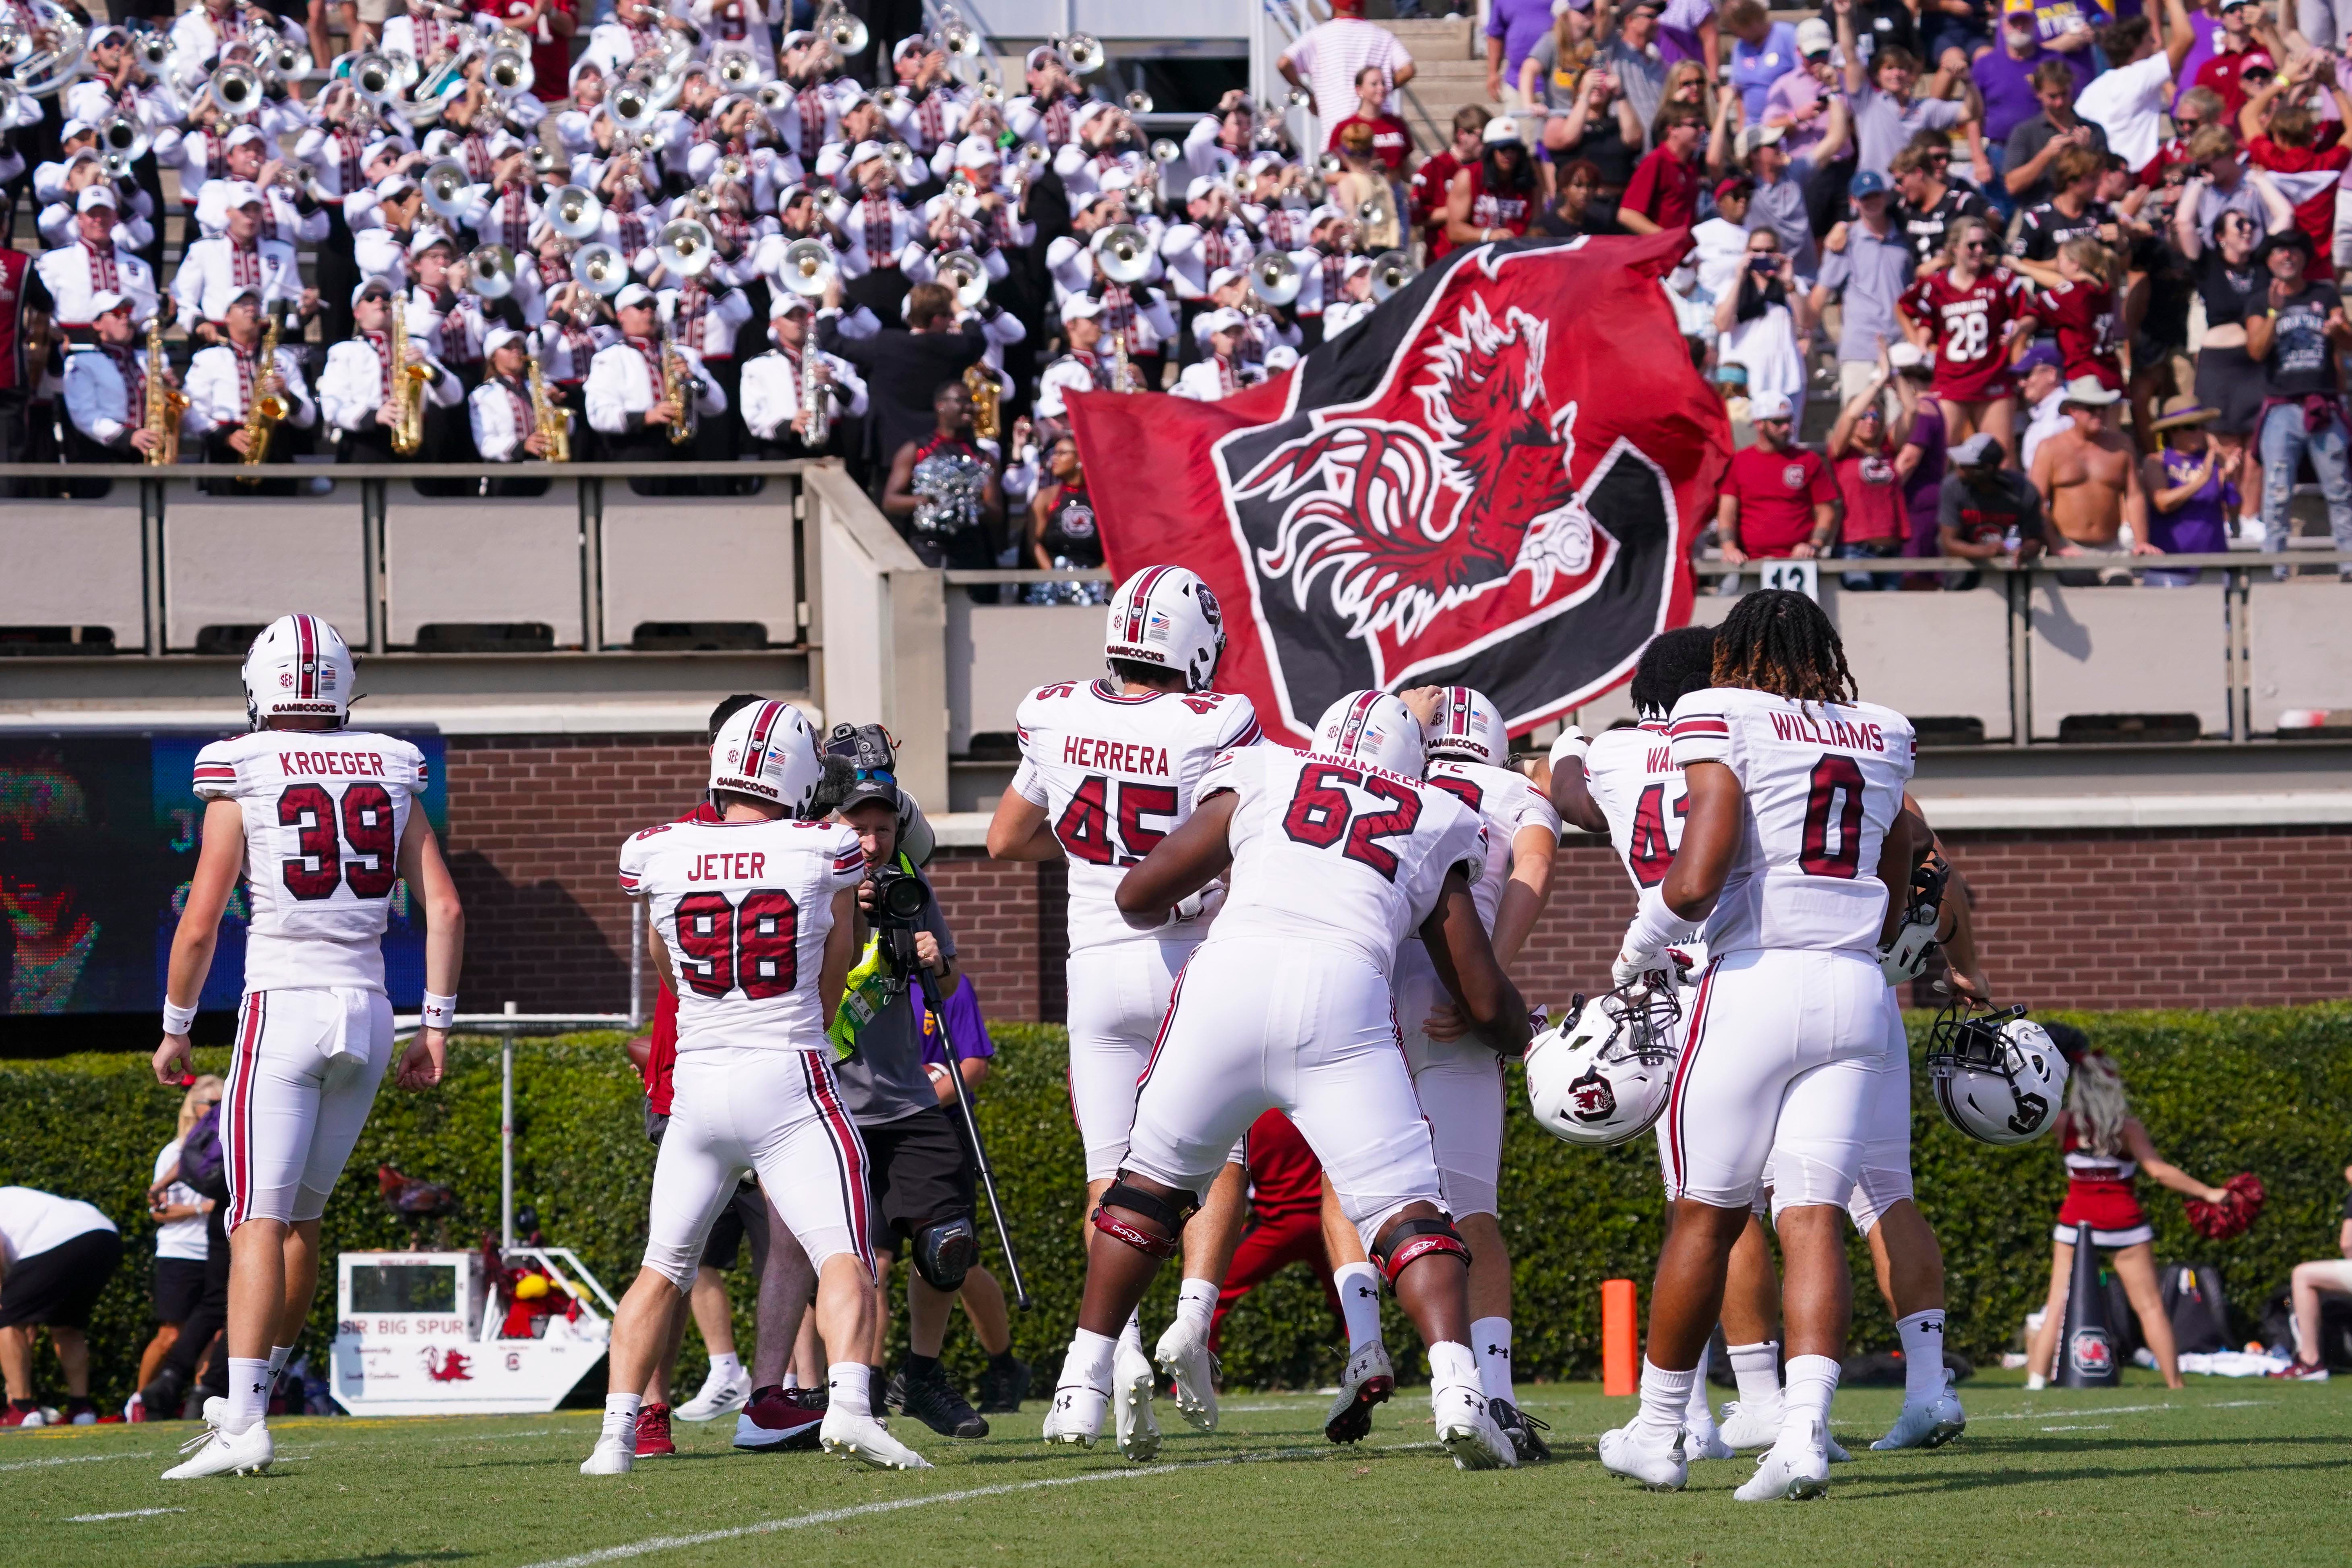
{"points": [[2117, 918]]}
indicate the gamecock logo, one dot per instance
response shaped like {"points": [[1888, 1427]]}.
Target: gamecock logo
{"points": [[447, 1366], [2093, 1354], [1589, 1099]]}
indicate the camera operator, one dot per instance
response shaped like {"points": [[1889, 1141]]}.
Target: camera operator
{"points": [[922, 1177]]}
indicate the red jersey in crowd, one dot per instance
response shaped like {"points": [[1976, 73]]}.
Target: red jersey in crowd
{"points": [[2082, 315], [1392, 142], [1873, 501], [1430, 186], [2314, 199], [1664, 189], [1971, 327], [663, 1057], [1777, 492], [2221, 74]]}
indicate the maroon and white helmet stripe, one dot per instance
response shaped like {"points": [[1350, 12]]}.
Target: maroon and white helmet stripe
{"points": [[764, 728], [1138, 603], [1351, 729]]}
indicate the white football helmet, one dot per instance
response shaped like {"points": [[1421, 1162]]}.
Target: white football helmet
{"points": [[1605, 1075], [1166, 616], [1469, 728], [768, 751], [1999, 1077], [1904, 957], [298, 666], [1371, 727]]}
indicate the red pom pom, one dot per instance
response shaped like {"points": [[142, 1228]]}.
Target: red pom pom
{"points": [[2241, 1199]]}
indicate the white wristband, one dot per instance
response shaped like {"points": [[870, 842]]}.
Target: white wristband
{"points": [[1571, 743], [440, 1012], [176, 1020]]}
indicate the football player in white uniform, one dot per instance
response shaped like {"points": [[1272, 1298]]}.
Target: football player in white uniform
{"points": [[1336, 854], [1108, 770], [1794, 840], [756, 916], [317, 820]]}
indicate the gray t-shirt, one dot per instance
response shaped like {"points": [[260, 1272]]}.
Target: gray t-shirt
{"points": [[1882, 126], [1780, 207], [1641, 76], [885, 1079], [1873, 273]]}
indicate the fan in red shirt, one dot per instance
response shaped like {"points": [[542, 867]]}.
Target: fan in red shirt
{"points": [[1495, 197], [1663, 192], [1966, 312], [1432, 183], [1392, 141], [1286, 1217], [1780, 501], [2078, 304], [2292, 145]]}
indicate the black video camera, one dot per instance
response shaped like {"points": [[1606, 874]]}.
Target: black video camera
{"points": [[899, 899]]}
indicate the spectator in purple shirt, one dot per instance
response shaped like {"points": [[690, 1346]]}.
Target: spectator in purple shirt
{"points": [[1798, 102], [1762, 52], [2003, 73], [1512, 26]]}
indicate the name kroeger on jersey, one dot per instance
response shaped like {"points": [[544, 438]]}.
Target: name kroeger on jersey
{"points": [[1333, 851], [1116, 774], [744, 908], [323, 813], [1823, 782]]}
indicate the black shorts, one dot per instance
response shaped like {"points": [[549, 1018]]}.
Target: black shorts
{"points": [[746, 1215], [179, 1288], [59, 1287], [921, 1176]]}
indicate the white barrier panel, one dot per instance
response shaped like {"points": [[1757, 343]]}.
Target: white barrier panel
{"points": [[1930, 656], [2299, 648], [694, 560], [2129, 650], [998, 653], [75, 563], [246, 561], [471, 561]]}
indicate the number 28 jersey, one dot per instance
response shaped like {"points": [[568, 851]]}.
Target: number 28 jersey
{"points": [[744, 908], [324, 812], [1824, 782], [1336, 852], [1971, 327], [1116, 774]]}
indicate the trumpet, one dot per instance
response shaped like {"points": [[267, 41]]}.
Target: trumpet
{"points": [[544, 158], [491, 272], [509, 74], [234, 89], [1274, 278], [959, 187], [603, 269], [842, 32], [1138, 102], [684, 247], [736, 66], [40, 72], [1084, 54], [632, 108], [889, 100], [773, 96], [955, 39], [291, 60], [1124, 253], [153, 49], [375, 79], [1165, 151], [962, 271], [807, 268], [445, 189], [1391, 270], [123, 135], [906, 167]]}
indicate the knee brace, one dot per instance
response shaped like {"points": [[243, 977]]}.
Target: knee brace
{"points": [[1169, 1216], [1408, 1241], [945, 1251]]}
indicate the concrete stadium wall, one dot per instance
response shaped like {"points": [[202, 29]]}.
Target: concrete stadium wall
{"points": [[2079, 917]]}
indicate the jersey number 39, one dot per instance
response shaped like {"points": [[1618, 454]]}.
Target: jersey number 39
{"points": [[320, 863]]}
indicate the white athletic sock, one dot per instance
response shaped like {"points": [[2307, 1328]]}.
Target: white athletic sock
{"points": [[1757, 1368], [849, 1387], [1699, 1415], [1452, 1365], [2035, 1383], [1923, 1355], [248, 1394], [791, 1379], [621, 1416], [1358, 1285], [1812, 1381], [1491, 1339], [1665, 1396], [727, 1368], [1089, 1358], [1196, 1303], [278, 1356], [1131, 1335]]}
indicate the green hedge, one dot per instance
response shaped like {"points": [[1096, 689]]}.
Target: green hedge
{"points": [[2269, 1091]]}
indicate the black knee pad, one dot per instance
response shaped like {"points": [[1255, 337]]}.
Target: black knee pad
{"points": [[945, 1251], [1408, 1241], [1169, 1216]]}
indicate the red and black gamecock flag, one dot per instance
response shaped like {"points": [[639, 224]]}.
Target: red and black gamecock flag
{"points": [[1493, 480]]}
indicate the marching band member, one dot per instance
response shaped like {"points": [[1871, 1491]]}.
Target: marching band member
{"points": [[1355, 300], [106, 386], [334, 151], [222, 380], [1212, 238], [76, 274], [506, 426], [775, 401], [626, 404], [216, 270], [929, 112], [943, 493], [1105, 143], [741, 25], [1083, 368], [882, 237], [1047, 112], [705, 313], [384, 218], [1219, 373], [440, 313], [355, 388]]}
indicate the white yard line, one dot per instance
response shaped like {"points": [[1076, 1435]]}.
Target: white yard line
{"points": [[2101, 1427], [126, 1513], [77, 1459]]}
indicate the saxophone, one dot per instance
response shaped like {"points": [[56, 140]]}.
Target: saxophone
{"points": [[270, 408], [547, 419], [164, 402], [407, 387], [816, 402], [987, 416], [678, 387], [1122, 369]]}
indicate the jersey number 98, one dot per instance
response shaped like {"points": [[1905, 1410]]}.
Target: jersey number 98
{"points": [[754, 944]]}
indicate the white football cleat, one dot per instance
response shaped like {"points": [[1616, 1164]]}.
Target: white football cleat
{"points": [[1133, 1384], [1797, 1468], [720, 1396], [1928, 1426], [1368, 1380], [614, 1453], [1182, 1354], [1075, 1416], [1662, 1469], [1752, 1424], [1466, 1429], [863, 1438], [216, 1453], [1705, 1442]]}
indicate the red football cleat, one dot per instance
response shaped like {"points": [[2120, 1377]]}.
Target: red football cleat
{"points": [[653, 1432], [779, 1417]]}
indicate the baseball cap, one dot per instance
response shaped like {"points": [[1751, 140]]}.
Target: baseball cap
{"points": [[783, 302], [1279, 358], [1224, 318], [241, 194], [243, 134], [977, 153], [912, 44], [73, 127], [1866, 183], [497, 338], [862, 152], [2254, 61], [1754, 136], [1502, 131], [2039, 354], [2017, 8], [1223, 276], [105, 299], [1079, 307], [1978, 452], [381, 287], [425, 239], [1814, 38], [1769, 406], [1733, 186], [1200, 189], [94, 196], [2087, 391], [636, 294]]}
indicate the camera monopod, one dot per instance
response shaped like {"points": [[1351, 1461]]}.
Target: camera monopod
{"points": [[901, 945]]}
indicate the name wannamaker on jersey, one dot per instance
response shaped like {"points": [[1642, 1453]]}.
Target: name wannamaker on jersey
{"points": [[1119, 756]]}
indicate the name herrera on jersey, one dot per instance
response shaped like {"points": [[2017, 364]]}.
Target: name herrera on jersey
{"points": [[334, 764], [1119, 756], [729, 866], [1828, 731]]}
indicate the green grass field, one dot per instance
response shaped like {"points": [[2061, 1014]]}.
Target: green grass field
{"points": [[2224, 1473]]}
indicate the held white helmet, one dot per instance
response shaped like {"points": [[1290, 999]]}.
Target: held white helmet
{"points": [[1906, 956], [1605, 1075], [1371, 727], [769, 752], [1468, 728], [298, 665], [2000, 1078], [1166, 616]]}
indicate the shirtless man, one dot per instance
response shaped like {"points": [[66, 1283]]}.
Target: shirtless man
{"points": [[2088, 477]]}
